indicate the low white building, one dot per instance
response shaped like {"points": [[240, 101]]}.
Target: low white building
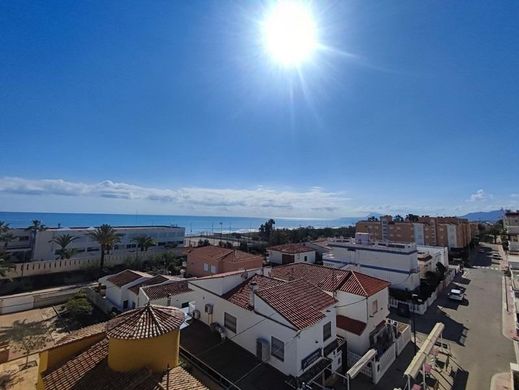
{"points": [[291, 253], [118, 285]]}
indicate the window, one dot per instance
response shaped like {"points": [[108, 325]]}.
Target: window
{"points": [[206, 267], [213, 269], [327, 331], [125, 305], [374, 307], [277, 348], [306, 258], [185, 304], [229, 322]]}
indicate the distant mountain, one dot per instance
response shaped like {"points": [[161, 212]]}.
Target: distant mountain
{"points": [[484, 216]]}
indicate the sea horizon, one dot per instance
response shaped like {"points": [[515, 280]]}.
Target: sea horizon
{"points": [[192, 223]]}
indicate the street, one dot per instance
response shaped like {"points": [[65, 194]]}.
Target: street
{"points": [[473, 328]]}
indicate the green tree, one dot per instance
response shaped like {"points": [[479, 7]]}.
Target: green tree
{"points": [[5, 236], [106, 237], [64, 241], [34, 228], [411, 218], [28, 337], [78, 307], [5, 265], [266, 229], [398, 218], [143, 242]]}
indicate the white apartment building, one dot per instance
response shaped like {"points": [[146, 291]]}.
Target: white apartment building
{"points": [[85, 247], [395, 262]]}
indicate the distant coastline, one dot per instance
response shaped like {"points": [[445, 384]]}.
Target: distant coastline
{"points": [[193, 224]]}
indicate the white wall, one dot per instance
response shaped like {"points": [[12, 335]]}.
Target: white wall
{"points": [[452, 238], [276, 257], [418, 233]]}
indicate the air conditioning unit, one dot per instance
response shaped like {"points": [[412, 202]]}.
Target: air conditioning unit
{"points": [[209, 308], [262, 349], [196, 314]]}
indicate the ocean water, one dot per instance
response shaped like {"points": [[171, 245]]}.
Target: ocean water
{"points": [[193, 224]]}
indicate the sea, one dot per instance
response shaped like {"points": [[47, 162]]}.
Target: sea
{"points": [[192, 224]]}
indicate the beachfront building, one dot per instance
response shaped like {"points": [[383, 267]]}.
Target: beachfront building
{"points": [[43, 248], [138, 349], [210, 260], [511, 225], [291, 253]]}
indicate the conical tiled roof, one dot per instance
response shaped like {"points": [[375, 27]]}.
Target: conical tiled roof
{"points": [[146, 322]]}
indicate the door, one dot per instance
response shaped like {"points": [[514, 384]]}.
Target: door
{"points": [[287, 259]]}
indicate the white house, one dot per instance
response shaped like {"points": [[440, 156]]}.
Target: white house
{"points": [[291, 253], [289, 324], [362, 301], [118, 285], [174, 292]]}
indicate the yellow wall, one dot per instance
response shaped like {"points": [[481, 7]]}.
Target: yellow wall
{"points": [[57, 355], [155, 353]]}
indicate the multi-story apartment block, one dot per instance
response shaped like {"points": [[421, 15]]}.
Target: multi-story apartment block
{"points": [[451, 232], [43, 248], [511, 224]]}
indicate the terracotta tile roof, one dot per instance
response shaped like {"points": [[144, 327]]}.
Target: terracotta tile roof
{"points": [[331, 279], [298, 301], [165, 289], [82, 333], [155, 280], [89, 370], [145, 322], [326, 278], [291, 248], [180, 379], [212, 253], [240, 295], [364, 285], [224, 274], [350, 325], [125, 277]]}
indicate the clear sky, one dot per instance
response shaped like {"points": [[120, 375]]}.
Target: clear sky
{"points": [[174, 107]]}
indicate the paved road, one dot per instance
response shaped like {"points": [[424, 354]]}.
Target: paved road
{"points": [[474, 328]]}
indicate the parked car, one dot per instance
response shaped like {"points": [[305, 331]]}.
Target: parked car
{"points": [[456, 295]]}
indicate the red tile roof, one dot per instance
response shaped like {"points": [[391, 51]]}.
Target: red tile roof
{"points": [[146, 322], [291, 248], [212, 253], [125, 277], [350, 325], [155, 280], [298, 301], [364, 285], [82, 333], [240, 295], [89, 370], [331, 279], [163, 290]]}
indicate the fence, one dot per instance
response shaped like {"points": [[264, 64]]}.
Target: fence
{"points": [[44, 267], [384, 362], [403, 339], [99, 301], [30, 300]]}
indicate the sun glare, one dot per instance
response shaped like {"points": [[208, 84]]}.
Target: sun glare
{"points": [[289, 33]]}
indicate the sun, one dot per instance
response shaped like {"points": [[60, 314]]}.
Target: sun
{"points": [[289, 33]]}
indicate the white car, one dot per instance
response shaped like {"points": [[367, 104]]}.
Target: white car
{"points": [[456, 295]]}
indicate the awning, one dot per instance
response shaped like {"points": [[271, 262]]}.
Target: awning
{"points": [[416, 364]]}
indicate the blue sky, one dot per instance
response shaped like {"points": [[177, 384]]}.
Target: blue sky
{"points": [[175, 108]]}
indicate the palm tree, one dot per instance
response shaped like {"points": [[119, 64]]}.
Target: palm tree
{"points": [[143, 242], [5, 236], [106, 236], [63, 241], [5, 266]]}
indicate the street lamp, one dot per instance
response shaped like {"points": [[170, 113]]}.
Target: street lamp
{"points": [[413, 298]]}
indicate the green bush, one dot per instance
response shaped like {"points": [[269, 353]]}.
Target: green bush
{"points": [[78, 307]]}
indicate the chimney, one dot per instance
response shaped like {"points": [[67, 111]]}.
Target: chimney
{"points": [[253, 288], [169, 300]]}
